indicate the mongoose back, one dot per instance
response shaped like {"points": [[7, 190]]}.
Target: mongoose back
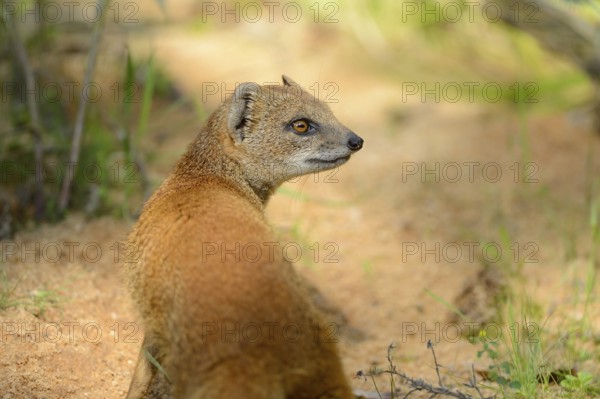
{"points": [[225, 315]]}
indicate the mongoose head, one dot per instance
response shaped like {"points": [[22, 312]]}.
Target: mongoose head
{"points": [[280, 132]]}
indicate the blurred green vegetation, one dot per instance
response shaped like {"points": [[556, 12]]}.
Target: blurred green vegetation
{"points": [[458, 42], [38, 121]]}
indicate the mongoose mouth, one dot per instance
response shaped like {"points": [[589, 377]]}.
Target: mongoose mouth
{"points": [[335, 161]]}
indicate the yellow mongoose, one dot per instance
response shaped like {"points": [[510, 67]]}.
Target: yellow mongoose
{"points": [[224, 313]]}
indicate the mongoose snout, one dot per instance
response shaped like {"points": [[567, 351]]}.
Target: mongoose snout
{"points": [[355, 143]]}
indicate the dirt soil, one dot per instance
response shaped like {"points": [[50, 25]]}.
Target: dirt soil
{"points": [[387, 230]]}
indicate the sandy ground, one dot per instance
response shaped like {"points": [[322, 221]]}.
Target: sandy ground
{"points": [[397, 234]]}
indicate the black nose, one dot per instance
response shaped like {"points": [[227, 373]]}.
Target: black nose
{"points": [[355, 143]]}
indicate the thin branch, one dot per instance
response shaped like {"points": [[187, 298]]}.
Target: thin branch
{"points": [[557, 29], [473, 382], [390, 350], [80, 118], [35, 123], [437, 365], [375, 385]]}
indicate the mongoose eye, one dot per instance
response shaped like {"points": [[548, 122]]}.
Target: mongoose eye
{"points": [[300, 126]]}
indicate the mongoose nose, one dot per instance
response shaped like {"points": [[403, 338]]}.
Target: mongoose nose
{"points": [[355, 143]]}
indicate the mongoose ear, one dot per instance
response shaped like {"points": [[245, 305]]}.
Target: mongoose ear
{"points": [[240, 111], [288, 81]]}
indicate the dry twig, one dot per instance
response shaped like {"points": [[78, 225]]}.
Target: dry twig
{"points": [[418, 384]]}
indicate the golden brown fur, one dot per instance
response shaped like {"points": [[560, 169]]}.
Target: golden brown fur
{"points": [[224, 313]]}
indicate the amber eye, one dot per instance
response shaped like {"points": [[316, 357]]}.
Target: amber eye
{"points": [[300, 126]]}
